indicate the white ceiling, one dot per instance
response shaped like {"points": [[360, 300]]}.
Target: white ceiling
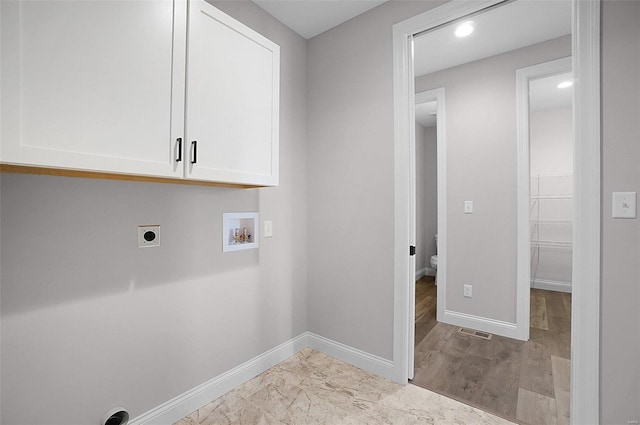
{"points": [[511, 26], [311, 17], [505, 28]]}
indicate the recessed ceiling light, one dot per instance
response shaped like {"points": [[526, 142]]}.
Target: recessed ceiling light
{"points": [[464, 29], [565, 84]]}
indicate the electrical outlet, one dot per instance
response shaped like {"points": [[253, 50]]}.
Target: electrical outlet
{"points": [[148, 236], [468, 291]]}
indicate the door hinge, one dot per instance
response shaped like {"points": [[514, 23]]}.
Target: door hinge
{"points": [[412, 250]]}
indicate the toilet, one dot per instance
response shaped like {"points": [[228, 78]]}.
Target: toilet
{"points": [[434, 260]]}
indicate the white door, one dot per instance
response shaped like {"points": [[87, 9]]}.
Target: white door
{"points": [[88, 85], [232, 100]]}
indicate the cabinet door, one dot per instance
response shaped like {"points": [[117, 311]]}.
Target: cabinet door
{"points": [[232, 100], [93, 85]]}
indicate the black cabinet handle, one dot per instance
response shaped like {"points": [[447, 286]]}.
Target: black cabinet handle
{"points": [[194, 154], [179, 149]]}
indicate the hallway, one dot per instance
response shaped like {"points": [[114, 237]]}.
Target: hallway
{"points": [[527, 382]]}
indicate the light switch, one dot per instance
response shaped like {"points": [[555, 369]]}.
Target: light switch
{"points": [[468, 207], [624, 205], [268, 229]]}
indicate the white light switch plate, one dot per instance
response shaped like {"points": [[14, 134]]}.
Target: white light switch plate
{"points": [[624, 205], [268, 229], [468, 207]]}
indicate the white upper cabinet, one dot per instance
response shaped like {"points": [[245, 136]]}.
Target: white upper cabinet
{"points": [[91, 85], [232, 100], [101, 86]]}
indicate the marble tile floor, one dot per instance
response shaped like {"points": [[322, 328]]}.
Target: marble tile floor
{"points": [[313, 388], [526, 382]]}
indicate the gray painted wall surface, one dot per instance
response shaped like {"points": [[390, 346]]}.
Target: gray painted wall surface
{"points": [[620, 340], [551, 132], [178, 312], [350, 188], [426, 195], [341, 91], [481, 167], [89, 321], [350, 193]]}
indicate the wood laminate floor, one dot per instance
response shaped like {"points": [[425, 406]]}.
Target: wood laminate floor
{"points": [[523, 381]]}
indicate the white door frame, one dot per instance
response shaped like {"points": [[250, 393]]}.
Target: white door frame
{"points": [[585, 332], [436, 95], [523, 267]]}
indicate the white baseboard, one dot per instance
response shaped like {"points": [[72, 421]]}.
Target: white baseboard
{"points": [[181, 406], [426, 271], [496, 327], [551, 285], [353, 356]]}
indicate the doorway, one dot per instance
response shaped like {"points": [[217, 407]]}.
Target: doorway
{"points": [[525, 381], [429, 213], [545, 121], [586, 250]]}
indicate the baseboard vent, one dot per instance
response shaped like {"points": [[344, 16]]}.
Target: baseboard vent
{"points": [[479, 334]]}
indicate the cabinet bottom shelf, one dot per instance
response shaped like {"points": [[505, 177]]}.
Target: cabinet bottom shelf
{"points": [[25, 169]]}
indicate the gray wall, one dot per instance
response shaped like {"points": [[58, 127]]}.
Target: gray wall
{"points": [[182, 314], [551, 132], [620, 341], [351, 174], [481, 167], [89, 321], [350, 193], [426, 195]]}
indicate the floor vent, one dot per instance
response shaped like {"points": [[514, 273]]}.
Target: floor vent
{"points": [[471, 332]]}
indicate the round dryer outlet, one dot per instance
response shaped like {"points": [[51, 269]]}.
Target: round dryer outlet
{"points": [[148, 236]]}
